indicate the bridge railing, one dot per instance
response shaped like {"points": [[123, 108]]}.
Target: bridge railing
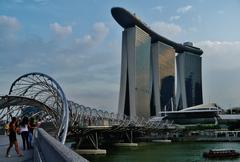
{"points": [[47, 148]]}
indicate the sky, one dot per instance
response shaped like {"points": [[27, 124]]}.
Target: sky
{"points": [[78, 43]]}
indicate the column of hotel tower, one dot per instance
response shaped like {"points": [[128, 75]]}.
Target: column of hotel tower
{"points": [[135, 84], [163, 70], [189, 79]]}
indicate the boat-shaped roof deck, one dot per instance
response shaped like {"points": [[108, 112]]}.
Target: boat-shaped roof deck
{"points": [[127, 20]]}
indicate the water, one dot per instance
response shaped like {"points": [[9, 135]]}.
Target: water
{"points": [[164, 152]]}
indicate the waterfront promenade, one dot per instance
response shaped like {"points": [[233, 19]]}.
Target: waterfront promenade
{"points": [[4, 143]]}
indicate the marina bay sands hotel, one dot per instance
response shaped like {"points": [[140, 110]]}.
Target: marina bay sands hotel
{"points": [[148, 70]]}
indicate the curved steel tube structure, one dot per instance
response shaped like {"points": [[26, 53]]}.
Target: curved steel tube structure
{"points": [[85, 116], [42, 92], [127, 20]]}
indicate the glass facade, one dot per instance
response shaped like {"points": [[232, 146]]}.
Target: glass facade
{"points": [[163, 69], [167, 76], [189, 92], [134, 100], [142, 73]]}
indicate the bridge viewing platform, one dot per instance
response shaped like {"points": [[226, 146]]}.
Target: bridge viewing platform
{"points": [[45, 148]]}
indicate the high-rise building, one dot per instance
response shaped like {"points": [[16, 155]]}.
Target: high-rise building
{"points": [[147, 79], [189, 79], [135, 86], [163, 70]]}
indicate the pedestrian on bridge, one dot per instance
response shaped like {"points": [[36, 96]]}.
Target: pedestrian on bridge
{"points": [[13, 137], [24, 132], [31, 127]]}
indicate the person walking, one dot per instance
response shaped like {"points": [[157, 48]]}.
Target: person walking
{"points": [[24, 133], [31, 127], [13, 138]]}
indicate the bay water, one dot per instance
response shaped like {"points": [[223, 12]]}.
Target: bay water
{"points": [[164, 152]]}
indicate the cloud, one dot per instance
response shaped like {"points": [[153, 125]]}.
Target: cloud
{"points": [[99, 32], [88, 75], [158, 8], [18, 1], [166, 29], [223, 54], [40, 1], [174, 18], [221, 71], [184, 9], [192, 29], [59, 30], [34, 1], [9, 22], [8, 27], [220, 12]]}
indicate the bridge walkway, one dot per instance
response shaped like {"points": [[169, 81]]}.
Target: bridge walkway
{"points": [[4, 143]]}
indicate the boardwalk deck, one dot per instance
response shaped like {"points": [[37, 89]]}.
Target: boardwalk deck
{"points": [[4, 142]]}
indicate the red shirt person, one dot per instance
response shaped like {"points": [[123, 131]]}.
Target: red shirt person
{"points": [[13, 137]]}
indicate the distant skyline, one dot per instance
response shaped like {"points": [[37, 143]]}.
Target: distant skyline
{"points": [[78, 43]]}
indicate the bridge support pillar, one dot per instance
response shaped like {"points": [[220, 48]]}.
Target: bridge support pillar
{"points": [[129, 136], [94, 140]]}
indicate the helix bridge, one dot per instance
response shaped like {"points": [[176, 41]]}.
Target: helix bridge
{"points": [[42, 93]]}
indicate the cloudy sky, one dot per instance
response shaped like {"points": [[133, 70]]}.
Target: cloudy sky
{"points": [[79, 44]]}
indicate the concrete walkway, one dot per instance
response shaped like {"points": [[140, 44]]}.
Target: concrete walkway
{"points": [[4, 143]]}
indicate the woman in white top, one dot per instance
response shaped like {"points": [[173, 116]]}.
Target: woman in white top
{"points": [[24, 133]]}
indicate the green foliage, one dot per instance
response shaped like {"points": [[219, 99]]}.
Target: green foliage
{"points": [[233, 125]]}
